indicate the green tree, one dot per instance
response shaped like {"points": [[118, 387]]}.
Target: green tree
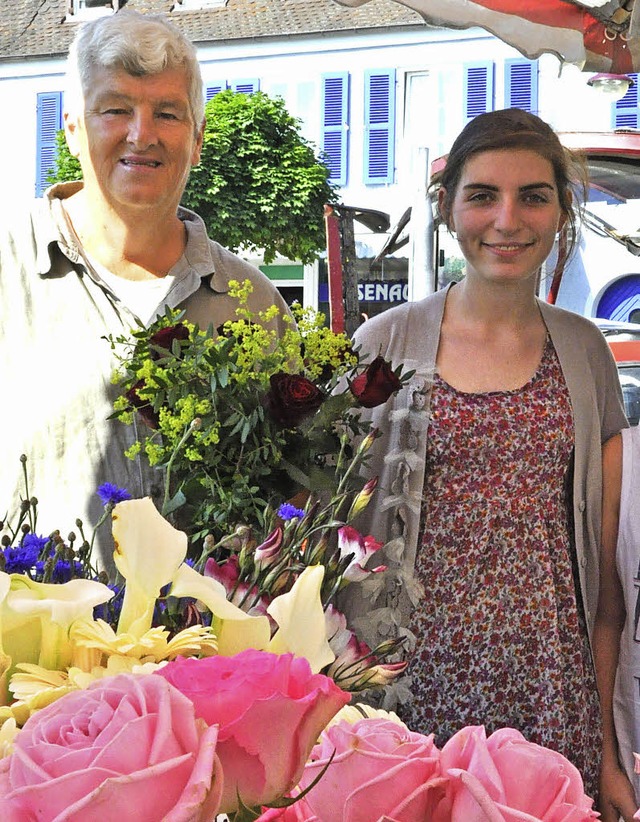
{"points": [[259, 185], [67, 166]]}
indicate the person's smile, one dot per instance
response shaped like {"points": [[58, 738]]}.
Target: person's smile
{"points": [[506, 214]]}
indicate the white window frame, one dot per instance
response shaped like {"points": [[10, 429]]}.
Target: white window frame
{"points": [[77, 11], [190, 5]]}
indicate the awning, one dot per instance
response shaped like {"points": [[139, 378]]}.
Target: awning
{"points": [[595, 35]]}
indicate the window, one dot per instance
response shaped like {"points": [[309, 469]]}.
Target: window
{"points": [[85, 9], [478, 89], [379, 126], [49, 122], [335, 125], [186, 5], [521, 84], [243, 86], [626, 112]]}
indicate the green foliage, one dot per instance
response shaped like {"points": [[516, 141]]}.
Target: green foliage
{"points": [[67, 167], [227, 456], [259, 185]]}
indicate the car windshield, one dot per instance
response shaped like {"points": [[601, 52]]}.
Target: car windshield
{"points": [[630, 383], [614, 193]]}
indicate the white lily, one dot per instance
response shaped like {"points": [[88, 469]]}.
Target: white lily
{"points": [[37, 616], [148, 552], [301, 621], [5, 659], [235, 629]]}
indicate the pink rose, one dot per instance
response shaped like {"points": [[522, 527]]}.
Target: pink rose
{"points": [[506, 777], [126, 747], [270, 710], [379, 768]]}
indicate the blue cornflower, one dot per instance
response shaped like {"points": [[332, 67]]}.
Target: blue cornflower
{"points": [[63, 571], [24, 558], [111, 494], [19, 560], [34, 542], [287, 511]]}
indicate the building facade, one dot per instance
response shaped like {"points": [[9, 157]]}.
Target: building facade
{"points": [[373, 87]]}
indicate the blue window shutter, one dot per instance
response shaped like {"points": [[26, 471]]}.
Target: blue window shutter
{"points": [[246, 86], [49, 122], [212, 89], [379, 126], [521, 84], [478, 89], [626, 112], [335, 125]]}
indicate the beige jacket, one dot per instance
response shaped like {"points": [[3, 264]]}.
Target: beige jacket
{"points": [[410, 335], [56, 366]]}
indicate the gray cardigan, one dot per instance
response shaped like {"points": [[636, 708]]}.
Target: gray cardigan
{"points": [[409, 335]]}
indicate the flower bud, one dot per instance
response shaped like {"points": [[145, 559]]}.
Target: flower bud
{"points": [[362, 499], [268, 553], [368, 441]]}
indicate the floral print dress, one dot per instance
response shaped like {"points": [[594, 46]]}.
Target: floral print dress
{"points": [[501, 637]]}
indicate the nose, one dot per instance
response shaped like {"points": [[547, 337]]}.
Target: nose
{"points": [[142, 129], [507, 215]]}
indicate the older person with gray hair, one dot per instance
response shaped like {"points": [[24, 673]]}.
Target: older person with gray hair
{"points": [[98, 257]]}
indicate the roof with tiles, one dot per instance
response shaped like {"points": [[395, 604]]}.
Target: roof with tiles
{"points": [[42, 28]]}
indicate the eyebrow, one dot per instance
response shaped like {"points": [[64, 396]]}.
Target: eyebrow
{"points": [[118, 96], [489, 187]]}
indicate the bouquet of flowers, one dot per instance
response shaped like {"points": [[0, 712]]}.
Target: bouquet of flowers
{"points": [[200, 737], [204, 679], [241, 418]]}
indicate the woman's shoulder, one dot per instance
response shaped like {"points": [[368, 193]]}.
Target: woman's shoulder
{"points": [[564, 315], [583, 328]]}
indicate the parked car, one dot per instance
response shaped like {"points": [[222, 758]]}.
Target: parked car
{"points": [[624, 341]]}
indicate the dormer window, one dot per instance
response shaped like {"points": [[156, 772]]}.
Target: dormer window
{"points": [[192, 5], [87, 9]]}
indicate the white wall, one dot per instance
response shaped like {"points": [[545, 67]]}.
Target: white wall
{"points": [[20, 83]]}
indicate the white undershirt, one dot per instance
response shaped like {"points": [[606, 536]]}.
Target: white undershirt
{"points": [[141, 297]]}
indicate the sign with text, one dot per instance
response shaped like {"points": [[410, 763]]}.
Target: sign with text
{"points": [[375, 291]]}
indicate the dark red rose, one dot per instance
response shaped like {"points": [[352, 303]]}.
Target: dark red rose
{"points": [[376, 384], [165, 336], [291, 398], [143, 407]]}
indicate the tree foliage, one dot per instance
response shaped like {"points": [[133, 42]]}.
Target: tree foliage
{"points": [[67, 166], [259, 185]]}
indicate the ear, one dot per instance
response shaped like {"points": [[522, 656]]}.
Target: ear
{"points": [[197, 147], [443, 208], [71, 133]]}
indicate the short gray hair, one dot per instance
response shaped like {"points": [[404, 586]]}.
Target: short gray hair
{"points": [[141, 44]]}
